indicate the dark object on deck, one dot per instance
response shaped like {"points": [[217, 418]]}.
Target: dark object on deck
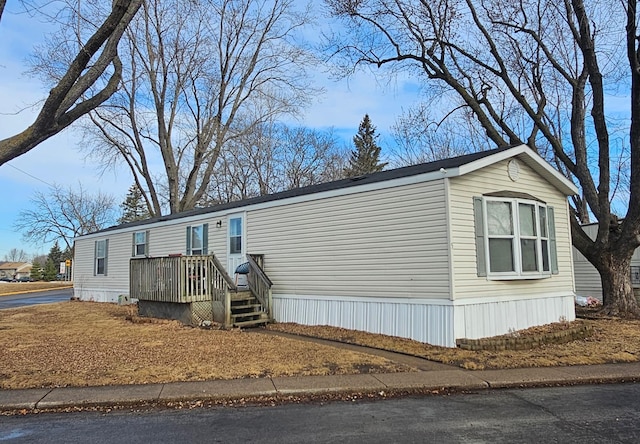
{"points": [[242, 268]]}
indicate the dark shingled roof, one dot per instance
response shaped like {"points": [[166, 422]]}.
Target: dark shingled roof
{"points": [[382, 176]]}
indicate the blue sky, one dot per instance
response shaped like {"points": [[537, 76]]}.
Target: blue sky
{"points": [[58, 161]]}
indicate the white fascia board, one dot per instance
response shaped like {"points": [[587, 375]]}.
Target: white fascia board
{"points": [[200, 218], [530, 158]]}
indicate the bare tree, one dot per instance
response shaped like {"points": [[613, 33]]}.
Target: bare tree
{"points": [[15, 254], [63, 214], [275, 158], [423, 134], [72, 97], [310, 157], [197, 76], [534, 72]]}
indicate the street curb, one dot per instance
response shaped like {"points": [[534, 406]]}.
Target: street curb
{"points": [[281, 390]]}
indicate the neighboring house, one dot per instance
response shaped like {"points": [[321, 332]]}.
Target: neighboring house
{"points": [[587, 278], [468, 247], [15, 270]]}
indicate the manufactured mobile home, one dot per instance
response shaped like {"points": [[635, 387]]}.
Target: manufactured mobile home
{"points": [[467, 247], [587, 278]]}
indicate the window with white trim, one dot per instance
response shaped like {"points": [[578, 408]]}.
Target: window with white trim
{"points": [[515, 238], [197, 239], [101, 253], [140, 244]]}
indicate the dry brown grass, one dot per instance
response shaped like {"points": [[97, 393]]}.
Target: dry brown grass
{"points": [[84, 343], [16, 287], [612, 341]]}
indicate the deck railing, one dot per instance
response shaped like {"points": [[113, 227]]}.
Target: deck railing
{"points": [[179, 279], [259, 283], [187, 279]]}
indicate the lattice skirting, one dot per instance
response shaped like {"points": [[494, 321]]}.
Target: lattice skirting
{"points": [[193, 313]]}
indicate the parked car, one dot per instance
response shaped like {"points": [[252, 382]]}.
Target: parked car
{"points": [[6, 279], [24, 279]]}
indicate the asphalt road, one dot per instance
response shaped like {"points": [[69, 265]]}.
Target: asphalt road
{"points": [[41, 297], [582, 414]]}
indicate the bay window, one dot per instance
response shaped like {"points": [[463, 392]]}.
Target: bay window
{"points": [[515, 237]]}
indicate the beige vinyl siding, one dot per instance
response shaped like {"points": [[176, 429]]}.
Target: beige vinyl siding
{"points": [[494, 178], [383, 243], [172, 238], [164, 239], [117, 276]]}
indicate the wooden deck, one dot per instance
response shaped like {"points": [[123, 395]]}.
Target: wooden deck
{"points": [[202, 287]]}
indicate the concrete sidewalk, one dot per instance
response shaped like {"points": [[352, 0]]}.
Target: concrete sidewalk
{"points": [[452, 378]]}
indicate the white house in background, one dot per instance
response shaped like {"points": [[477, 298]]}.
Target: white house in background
{"points": [[587, 278], [468, 247]]}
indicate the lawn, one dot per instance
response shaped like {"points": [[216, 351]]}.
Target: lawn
{"points": [[85, 343], [611, 341], [17, 287]]}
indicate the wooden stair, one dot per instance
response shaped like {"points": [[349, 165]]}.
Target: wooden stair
{"points": [[246, 310]]}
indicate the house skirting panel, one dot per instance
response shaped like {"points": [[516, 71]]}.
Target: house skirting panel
{"points": [[437, 322], [483, 319], [99, 294], [422, 320]]}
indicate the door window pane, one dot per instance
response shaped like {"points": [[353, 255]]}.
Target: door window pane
{"points": [[235, 236]]}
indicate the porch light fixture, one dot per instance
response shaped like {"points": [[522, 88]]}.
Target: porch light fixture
{"points": [[219, 224]]}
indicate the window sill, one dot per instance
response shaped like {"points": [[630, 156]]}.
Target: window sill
{"points": [[517, 277]]}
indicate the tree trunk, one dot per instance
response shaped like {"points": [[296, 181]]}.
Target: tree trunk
{"points": [[617, 292]]}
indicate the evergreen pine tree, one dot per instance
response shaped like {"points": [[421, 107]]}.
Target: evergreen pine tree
{"points": [[37, 271], [67, 254], [50, 270], [365, 158], [55, 254], [134, 207]]}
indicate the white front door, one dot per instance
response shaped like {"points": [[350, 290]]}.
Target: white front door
{"points": [[235, 243]]}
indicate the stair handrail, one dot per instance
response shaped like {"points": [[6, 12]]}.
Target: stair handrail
{"points": [[258, 269], [223, 273], [221, 293], [259, 284]]}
